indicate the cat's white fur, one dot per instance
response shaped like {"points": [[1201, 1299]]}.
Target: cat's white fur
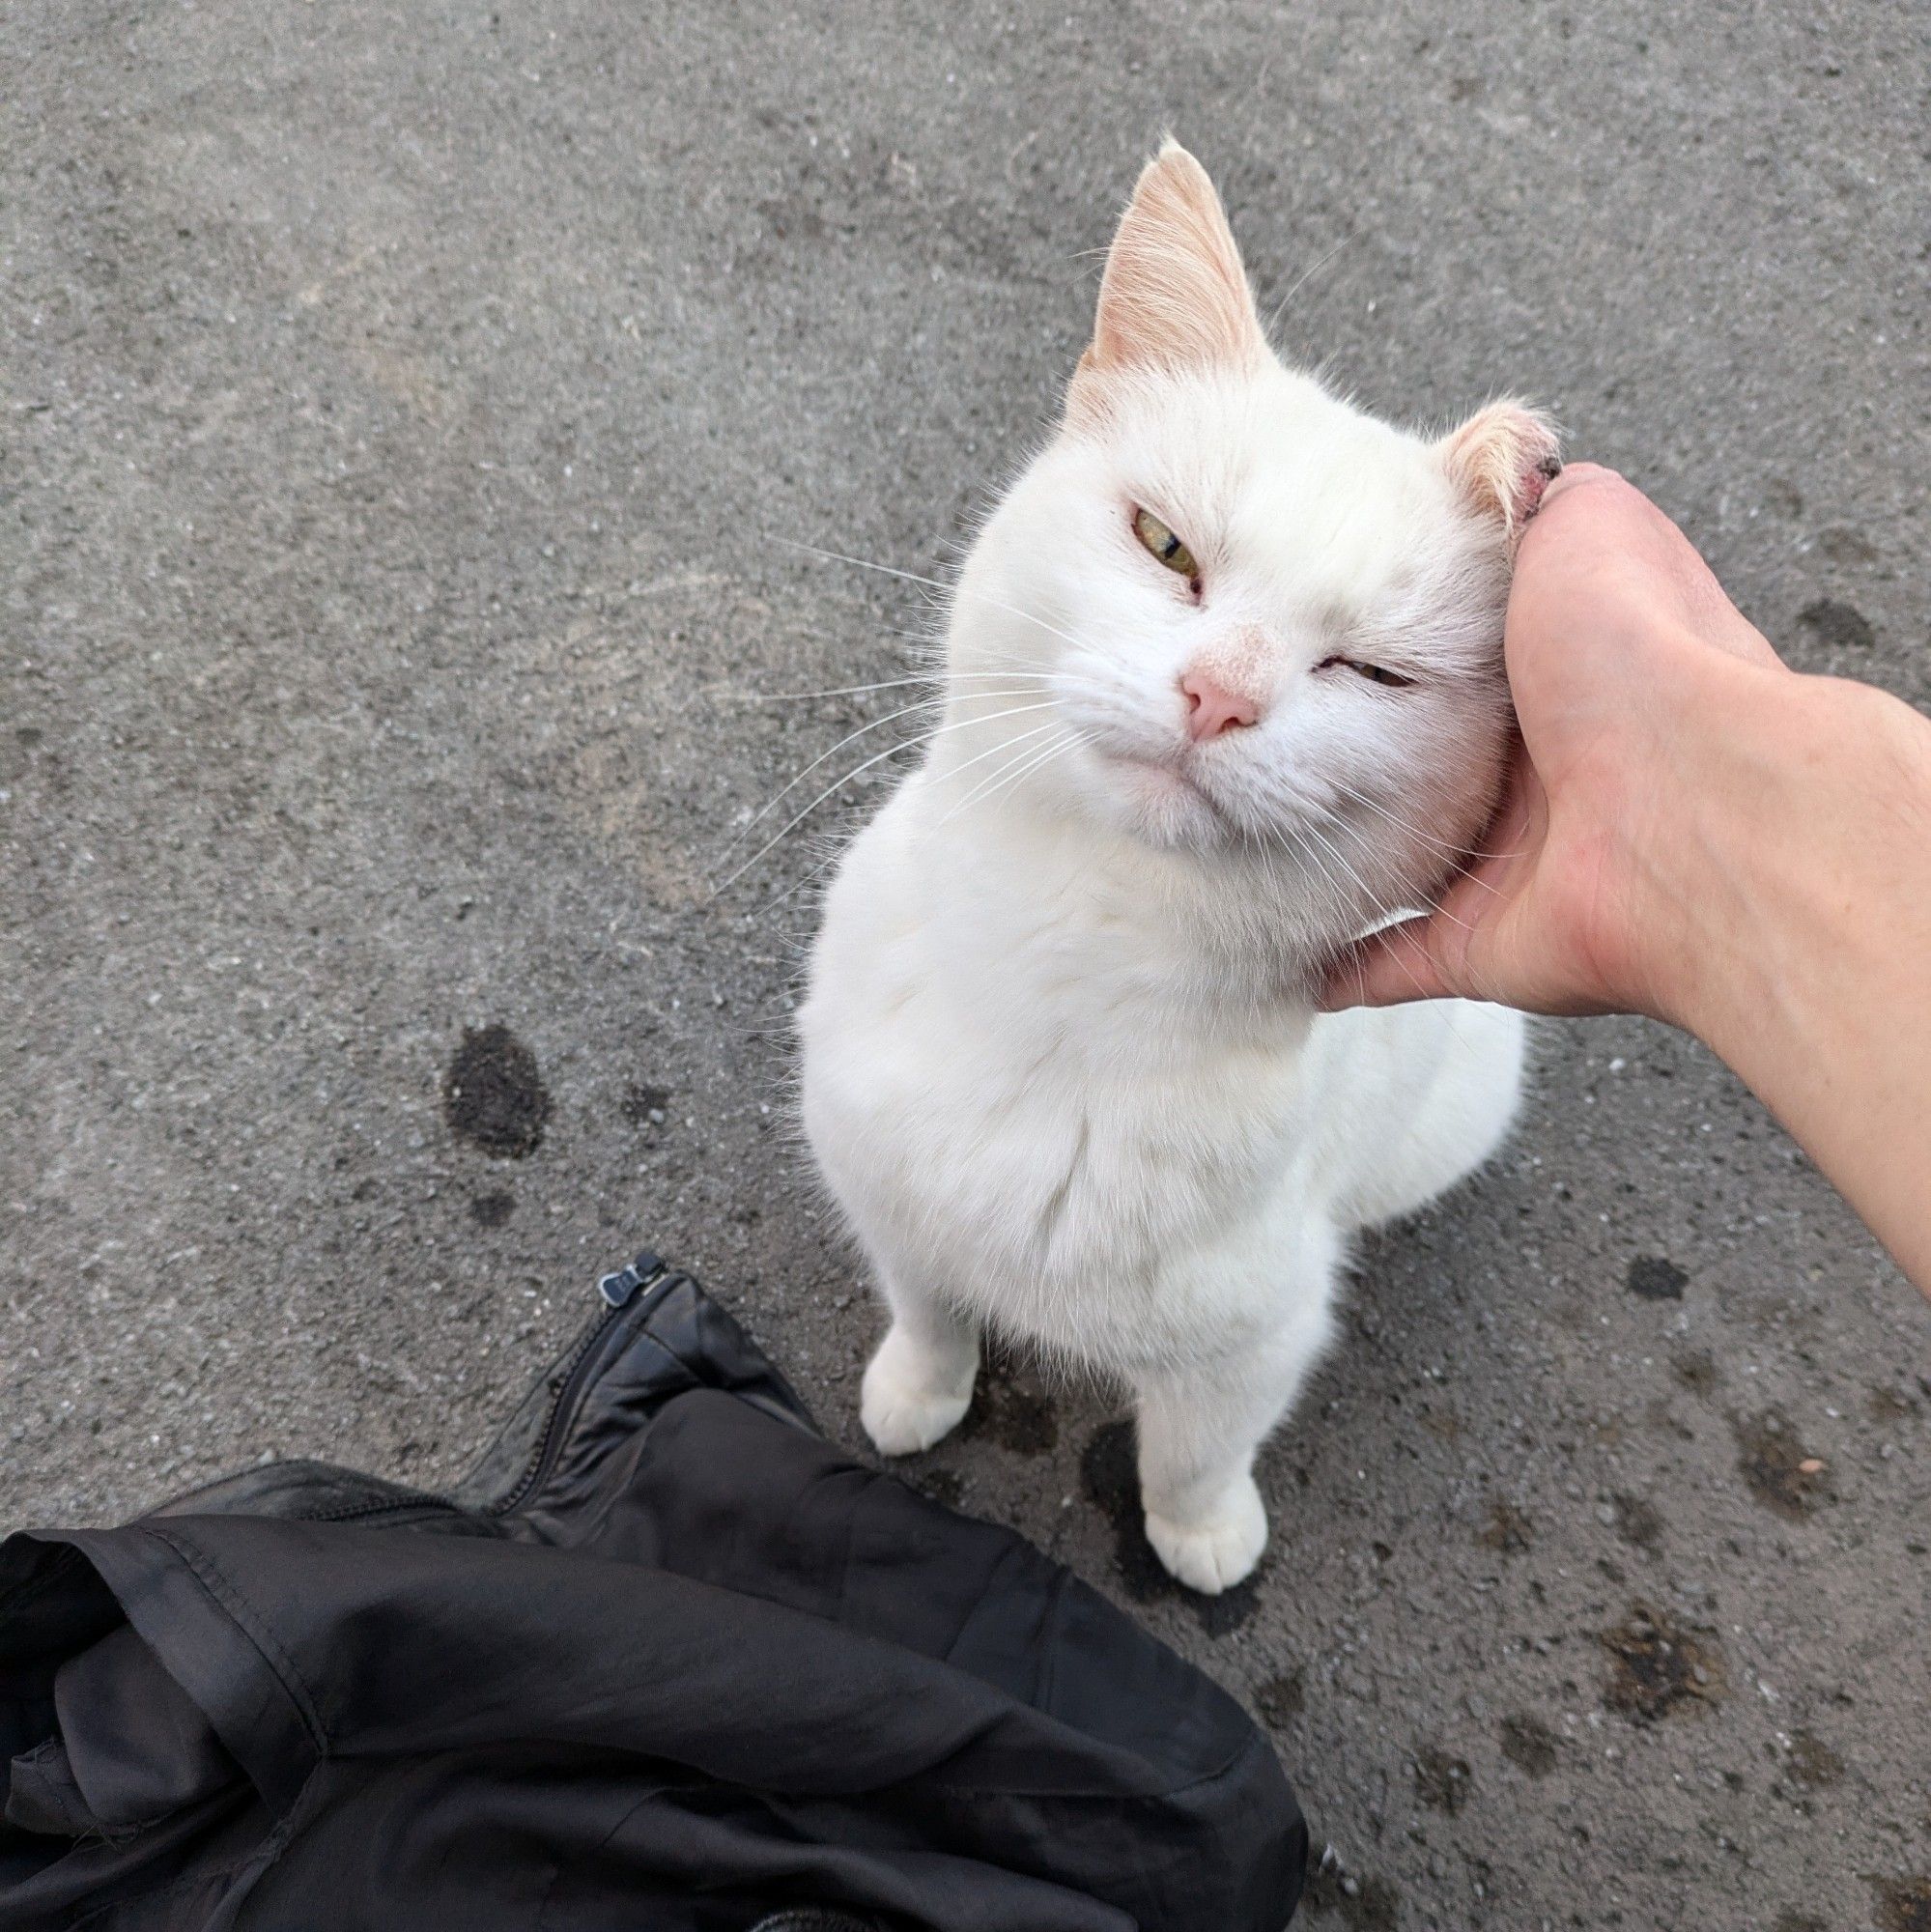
{"points": [[1062, 1065]]}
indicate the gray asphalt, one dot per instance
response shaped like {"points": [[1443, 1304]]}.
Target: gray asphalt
{"points": [[405, 413]]}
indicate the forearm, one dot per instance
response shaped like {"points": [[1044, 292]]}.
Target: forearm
{"points": [[1801, 898]]}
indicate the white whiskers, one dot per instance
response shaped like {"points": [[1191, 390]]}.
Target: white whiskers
{"points": [[1013, 773], [904, 711], [838, 784]]}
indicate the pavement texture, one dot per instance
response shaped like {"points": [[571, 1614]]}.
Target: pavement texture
{"points": [[405, 415]]}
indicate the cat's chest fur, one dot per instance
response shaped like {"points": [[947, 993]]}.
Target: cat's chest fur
{"points": [[1023, 1085]]}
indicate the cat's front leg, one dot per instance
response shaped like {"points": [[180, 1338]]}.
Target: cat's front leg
{"points": [[918, 1385], [1200, 1428]]}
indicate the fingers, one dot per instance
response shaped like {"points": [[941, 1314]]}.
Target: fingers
{"points": [[1599, 553], [1573, 476], [1440, 954], [1388, 969]]}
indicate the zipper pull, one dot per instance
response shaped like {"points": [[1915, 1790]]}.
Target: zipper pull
{"points": [[619, 1288]]}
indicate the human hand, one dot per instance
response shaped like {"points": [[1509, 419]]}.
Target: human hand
{"points": [[1622, 651]]}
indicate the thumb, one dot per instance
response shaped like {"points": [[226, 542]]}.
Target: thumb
{"points": [[1388, 968]]}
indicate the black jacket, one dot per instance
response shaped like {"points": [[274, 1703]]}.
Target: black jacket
{"points": [[668, 1659]]}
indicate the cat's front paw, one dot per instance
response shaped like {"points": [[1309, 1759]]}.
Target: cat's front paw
{"points": [[909, 1402], [1215, 1550]]}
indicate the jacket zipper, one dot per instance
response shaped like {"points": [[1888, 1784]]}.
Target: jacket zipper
{"points": [[619, 1291]]}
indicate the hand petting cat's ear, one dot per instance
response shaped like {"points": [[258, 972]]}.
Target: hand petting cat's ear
{"points": [[1501, 460], [1175, 296]]}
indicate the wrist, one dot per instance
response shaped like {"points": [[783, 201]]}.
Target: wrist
{"points": [[1808, 975], [1750, 757], [1688, 844], [1807, 810]]}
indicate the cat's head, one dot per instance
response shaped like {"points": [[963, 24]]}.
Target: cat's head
{"points": [[1261, 624]]}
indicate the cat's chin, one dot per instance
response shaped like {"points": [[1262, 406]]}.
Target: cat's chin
{"points": [[1163, 808]]}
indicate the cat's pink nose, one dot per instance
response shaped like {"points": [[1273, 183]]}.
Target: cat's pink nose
{"points": [[1213, 707]]}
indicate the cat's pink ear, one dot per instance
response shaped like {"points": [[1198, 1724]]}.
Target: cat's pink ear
{"points": [[1501, 460], [1174, 296]]}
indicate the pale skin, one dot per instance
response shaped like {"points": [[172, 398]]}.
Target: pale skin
{"points": [[1695, 832]]}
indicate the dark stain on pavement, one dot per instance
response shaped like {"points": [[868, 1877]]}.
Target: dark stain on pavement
{"points": [[1010, 1409], [1660, 1670], [1529, 1745], [1441, 1783], [1812, 1763], [644, 1105], [491, 1210], [1656, 1278], [1637, 1523], [1282, 1699], [1838, 623], [1507, 1530], [493, 1095], [1902, 1904], [1781, 1473], [1697, 1370], [1888, 1404]]}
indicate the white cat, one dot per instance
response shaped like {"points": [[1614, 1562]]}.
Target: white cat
{"points": [[1223, 689]]}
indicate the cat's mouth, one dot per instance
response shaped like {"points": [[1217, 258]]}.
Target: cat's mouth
{"points": [[1169, 801]]}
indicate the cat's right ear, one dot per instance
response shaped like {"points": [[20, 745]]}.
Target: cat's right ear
{"points": [[1174, 298]]}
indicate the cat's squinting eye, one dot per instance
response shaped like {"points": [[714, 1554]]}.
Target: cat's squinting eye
{"points": [[1165, 547], [1376, 674]]}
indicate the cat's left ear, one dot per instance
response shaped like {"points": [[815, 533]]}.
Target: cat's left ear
{"points": [[1501, 460], [1175, 296]]}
